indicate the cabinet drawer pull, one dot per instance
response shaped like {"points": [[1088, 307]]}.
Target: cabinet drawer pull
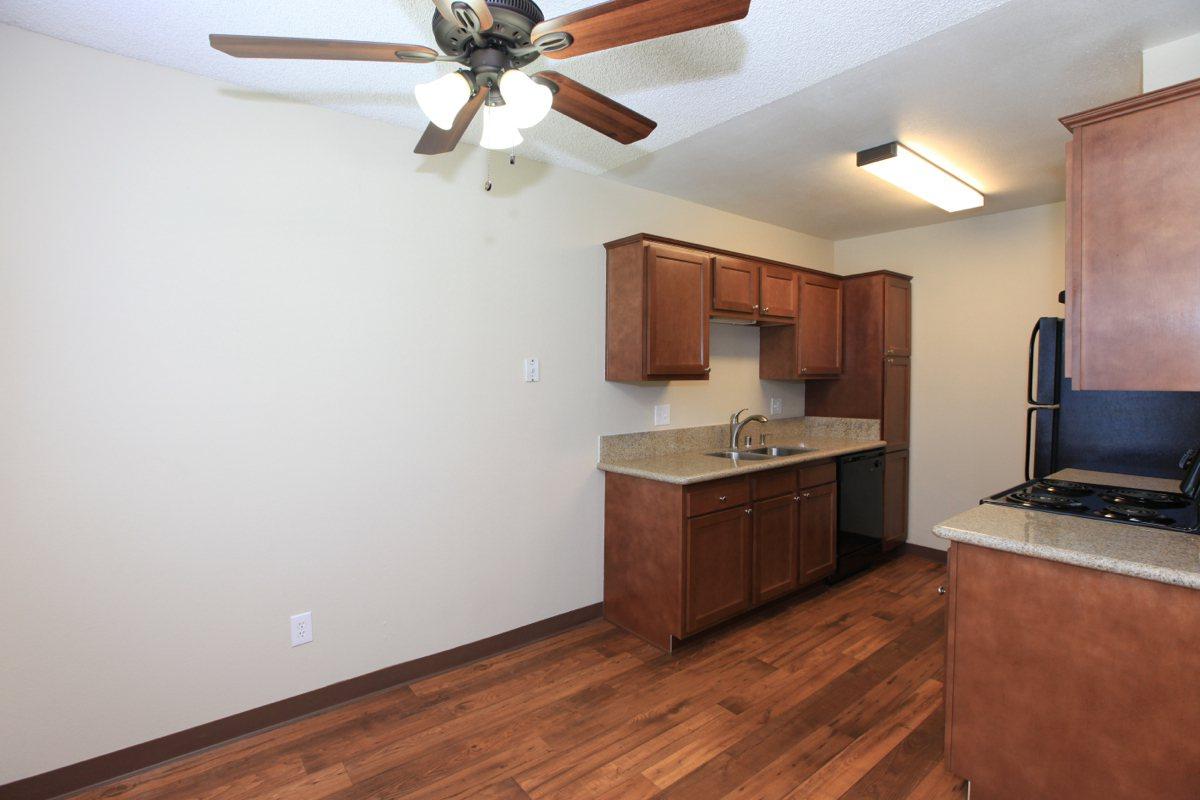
{"points": [[723, 498], [806, 494], [796, 498], [941, 590]]}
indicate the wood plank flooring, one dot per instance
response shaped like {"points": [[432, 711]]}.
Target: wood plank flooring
{"points": [[836, 696]]}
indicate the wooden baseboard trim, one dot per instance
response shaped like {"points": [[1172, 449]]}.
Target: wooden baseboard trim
{"points": [[921, 551], [147, 754]]}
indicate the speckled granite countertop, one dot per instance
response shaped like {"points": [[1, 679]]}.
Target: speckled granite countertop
{"points": [[677, 455], [1158, 555]]}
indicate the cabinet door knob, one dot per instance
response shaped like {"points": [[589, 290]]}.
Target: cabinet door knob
{"points": [[749, 510], [806, 494], [804, 369], [723, 498], [796, 498], [756, 306], [765, 309], [708, 369], [941, 590]]}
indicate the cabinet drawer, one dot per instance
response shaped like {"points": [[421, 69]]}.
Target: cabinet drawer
{"points": [[818, 474], [773, 484], [708, 497]]}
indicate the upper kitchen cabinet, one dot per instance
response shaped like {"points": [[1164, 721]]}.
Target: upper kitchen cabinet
{"points": [[812, 348], [658, 304], [735, 285], [661, 294], [874, 382], [1132, 205], [777, 292], [897, 316]]}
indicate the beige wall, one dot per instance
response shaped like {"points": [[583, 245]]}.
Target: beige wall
{"points": [[257, 358], [1171, 63], [979, 285]]}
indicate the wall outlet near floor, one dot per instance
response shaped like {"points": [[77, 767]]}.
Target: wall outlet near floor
{"points": [[662, 415], [302, 628], [533, 370], [776, 406]]}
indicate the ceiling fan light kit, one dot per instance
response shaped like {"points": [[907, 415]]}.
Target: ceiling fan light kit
{"points": [[917, 175], [493, 40]]}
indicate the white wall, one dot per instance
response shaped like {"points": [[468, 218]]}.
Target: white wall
{"points": [[1171, 63], [257, 358], [979, 285]]}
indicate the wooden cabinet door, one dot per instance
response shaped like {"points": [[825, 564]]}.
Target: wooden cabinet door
{"points": [[718, 552], [895, 499], [897, 316], [1140, 238], [819, 327], [677, 299], [777, 292], [818, 532], [894, 425], [774, 547], [735, 285]]}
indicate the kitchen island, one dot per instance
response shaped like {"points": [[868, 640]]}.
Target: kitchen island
{"points": [[1073, 653]]}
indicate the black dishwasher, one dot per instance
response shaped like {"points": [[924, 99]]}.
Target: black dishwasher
{"points": [[860, 512]]}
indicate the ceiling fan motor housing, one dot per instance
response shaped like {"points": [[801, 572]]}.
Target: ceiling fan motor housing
{"points": [[514, 22]]}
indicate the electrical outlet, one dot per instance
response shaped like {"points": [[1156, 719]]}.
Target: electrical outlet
{"points": [[302, 632], [776, 406], [662, 415]]}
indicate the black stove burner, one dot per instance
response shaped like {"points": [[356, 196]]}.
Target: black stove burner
{"points": [[1063, 488], [1133, 514], [1038, 500], [1143, 498], [1117, 504]]}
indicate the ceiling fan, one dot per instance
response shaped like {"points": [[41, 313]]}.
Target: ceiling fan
{"points": [[493, 40]]}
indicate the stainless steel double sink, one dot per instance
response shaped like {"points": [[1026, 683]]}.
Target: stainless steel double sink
{"points": [[760, 453]]}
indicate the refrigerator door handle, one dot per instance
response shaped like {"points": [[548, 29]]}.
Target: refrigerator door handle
{"points": [[1030, 413], [1029, 378]]}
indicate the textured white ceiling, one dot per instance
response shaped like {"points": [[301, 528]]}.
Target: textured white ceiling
{"points": [[982, 97], [686, 82]]}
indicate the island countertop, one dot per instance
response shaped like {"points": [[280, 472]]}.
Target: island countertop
{"points": [[1154, 554]]}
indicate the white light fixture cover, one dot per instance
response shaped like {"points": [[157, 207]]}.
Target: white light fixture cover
{"points": [[441, 100], [499, 129], [528, 101], [901, 167]]}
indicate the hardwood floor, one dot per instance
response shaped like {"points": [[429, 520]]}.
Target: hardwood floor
{"points": [[837, 696]]}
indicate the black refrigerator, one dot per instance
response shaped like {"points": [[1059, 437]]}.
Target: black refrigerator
{"points": [[1136, 433]]}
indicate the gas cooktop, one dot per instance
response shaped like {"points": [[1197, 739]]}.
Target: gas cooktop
{"points": [[1167, 510]]}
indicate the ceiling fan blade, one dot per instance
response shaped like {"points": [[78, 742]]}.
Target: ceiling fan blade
{"points": [[619, 22], [435, 140], [597, 111], [478, 8], [328, 49]]}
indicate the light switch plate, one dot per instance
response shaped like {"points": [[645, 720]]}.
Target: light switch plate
{"points": [[662, 415], [533, 370], [776, 406]]}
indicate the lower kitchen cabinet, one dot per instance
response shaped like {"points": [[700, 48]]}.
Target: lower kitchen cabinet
{"points": [[679, 559], [895, 499], [775, 547], [717, 553], [817, 514]]}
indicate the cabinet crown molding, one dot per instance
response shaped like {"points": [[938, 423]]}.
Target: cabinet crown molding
{"points": [[1131, 105]]}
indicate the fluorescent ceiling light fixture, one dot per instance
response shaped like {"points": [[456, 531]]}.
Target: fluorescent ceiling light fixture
{"points": [[901, 167], [528, 101], [441, 100], [499, 129]]}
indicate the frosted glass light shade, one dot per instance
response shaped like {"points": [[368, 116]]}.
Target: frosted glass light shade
{"points": [[528, 100], [441, 100], [901, 167], [499, 130]]}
